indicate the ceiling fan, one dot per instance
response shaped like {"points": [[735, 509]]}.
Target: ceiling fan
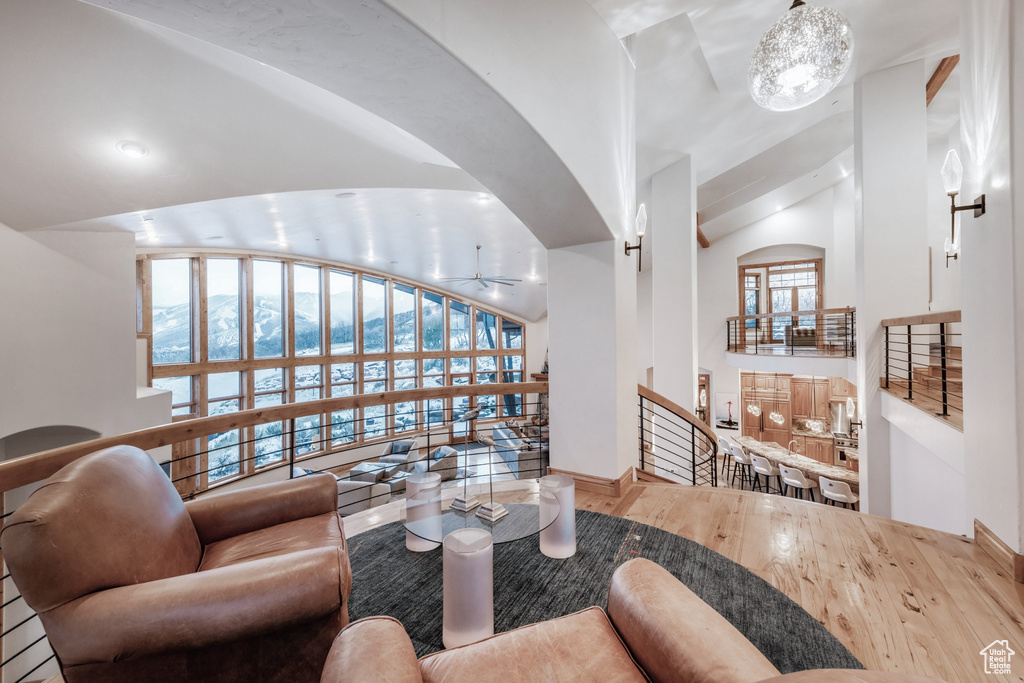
{"points": [[482, 280]]}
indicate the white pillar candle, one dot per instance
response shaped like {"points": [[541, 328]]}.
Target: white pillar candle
{"points": [[423, 511], [558, 516], [468, 587]]}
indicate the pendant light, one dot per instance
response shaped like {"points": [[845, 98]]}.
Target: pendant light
{"points": [[775, 416], [802, 57]]}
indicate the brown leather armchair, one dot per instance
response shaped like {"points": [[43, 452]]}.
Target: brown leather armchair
{"points": [[655, 629], [132, 584]]}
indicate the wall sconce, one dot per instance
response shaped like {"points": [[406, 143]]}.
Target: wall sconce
{"points": [[952, 175], [641, 228]]}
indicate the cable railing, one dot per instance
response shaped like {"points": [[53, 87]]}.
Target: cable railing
{"points": [[824, 332], [503, 436], [674, 445], [923, 364]]}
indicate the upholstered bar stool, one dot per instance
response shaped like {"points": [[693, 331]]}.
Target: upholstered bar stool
{"points": [[838, 492], [741, 466], [763, 467], [795, 479], [726, 450]]}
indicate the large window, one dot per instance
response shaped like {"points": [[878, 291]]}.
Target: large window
{"points": [[375, 315], [307, 310], [172, 311], [274, 331], [342, 312], [779, 288], [224, 324], [268, 295]]}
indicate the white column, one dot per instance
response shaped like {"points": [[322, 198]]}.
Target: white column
{"points": [[592, 341], [992, 261], [891, 156], [673, 231]]}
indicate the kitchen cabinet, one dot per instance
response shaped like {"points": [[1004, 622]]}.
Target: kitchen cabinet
{"points": [[761, 427], [810, 398], [840, 388], [820, 450], [802, 392]]}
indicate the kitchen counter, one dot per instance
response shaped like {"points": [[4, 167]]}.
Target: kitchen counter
{"points": [[811, 468]]}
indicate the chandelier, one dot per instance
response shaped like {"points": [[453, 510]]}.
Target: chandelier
{"points": [[801, 58]]}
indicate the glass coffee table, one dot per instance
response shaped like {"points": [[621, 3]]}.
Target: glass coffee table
{"points": [[424, 518]]}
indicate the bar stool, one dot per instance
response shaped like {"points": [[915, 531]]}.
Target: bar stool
{"points": [[795, 479], [726, 451], [838, 492], [741, 464], [764, 468]]}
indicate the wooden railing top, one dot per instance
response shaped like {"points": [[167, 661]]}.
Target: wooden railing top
{"points": [[793, 314], [39, 466], [680, 411], [925, 319]]}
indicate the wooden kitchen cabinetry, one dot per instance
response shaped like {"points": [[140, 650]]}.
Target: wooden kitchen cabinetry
{"points": [[840, 388], [820, 450], [810, 398]]}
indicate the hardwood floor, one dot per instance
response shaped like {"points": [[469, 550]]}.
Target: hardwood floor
{"points": [[900, 597]]}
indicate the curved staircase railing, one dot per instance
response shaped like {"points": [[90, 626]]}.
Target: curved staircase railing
{"points": [[674, 444]]}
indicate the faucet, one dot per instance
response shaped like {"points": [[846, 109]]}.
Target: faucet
{"points": [[791, 442]]}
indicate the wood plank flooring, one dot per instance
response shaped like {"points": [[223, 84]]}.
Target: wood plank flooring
{"points": [[900, 597]]}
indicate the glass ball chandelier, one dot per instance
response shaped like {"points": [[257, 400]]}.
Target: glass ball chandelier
{"points": [[801, 58]]}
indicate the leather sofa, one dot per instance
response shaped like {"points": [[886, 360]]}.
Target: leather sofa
{"points": [[655, 629], [132, 584]]}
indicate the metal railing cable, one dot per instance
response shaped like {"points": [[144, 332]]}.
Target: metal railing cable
{"points": [[673, 443], [824, 332], [923, 363]]}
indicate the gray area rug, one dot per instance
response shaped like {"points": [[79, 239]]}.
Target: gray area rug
{"points": [[529, 587]]}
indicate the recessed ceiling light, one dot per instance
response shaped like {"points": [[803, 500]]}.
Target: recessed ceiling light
{"points": [[484, 197], [132, 149], [215, 237], [345, 195]]}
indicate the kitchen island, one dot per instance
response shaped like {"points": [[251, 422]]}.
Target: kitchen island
{"points": [[811, 468]]}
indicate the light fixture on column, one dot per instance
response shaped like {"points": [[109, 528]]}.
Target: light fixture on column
{"points": [[641, 228], [800, 58], [952, 175]]}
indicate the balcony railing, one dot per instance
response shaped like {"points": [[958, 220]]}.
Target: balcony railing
{"points": [[211, 453], [824, 332], [923, 364], [674, 444]]}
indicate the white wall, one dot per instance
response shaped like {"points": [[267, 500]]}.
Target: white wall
{"points": [[592, 332], [890, 153], [926, 490], [564, 71], [945, 281], [785, 234], [992, 266], [68, 351]]}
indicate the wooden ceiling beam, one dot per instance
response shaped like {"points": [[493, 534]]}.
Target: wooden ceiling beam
{"points": [[938, 78], [701, 239]]}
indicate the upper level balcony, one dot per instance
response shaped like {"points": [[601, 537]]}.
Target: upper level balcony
{"points": [[817, 342]]}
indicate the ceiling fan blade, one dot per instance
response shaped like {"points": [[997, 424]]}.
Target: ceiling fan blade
{"points": [[483, 282], [502, 280], [499, 282], [456, 279]]}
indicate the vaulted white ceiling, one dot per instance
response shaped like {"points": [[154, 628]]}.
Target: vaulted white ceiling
{"points": [[245, 156]]}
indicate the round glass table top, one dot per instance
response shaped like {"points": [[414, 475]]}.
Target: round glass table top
{"points": [[428, 516]]}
